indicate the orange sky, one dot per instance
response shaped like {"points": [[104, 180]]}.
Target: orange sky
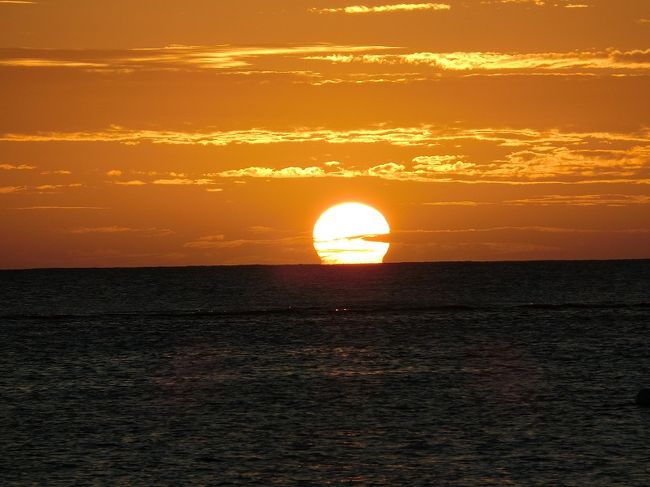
{"points": [[216, 132]]}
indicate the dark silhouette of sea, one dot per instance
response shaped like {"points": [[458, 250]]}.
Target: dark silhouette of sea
{"points": [[466, 374]]}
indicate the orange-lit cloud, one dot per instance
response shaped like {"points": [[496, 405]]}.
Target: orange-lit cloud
{"points": [[399, 136], [585, 200], [425, 136], [396, 136], [48, 63], [219, 241], [182, 182], [443, 164], [611, 59], [533, 2], [207, 242], [16, 167], [397, 7], [453, 203], [172, 58], [267, 172], [131, 182], [60, 208], [553, 162], [368, 79], [538, 3], [50, 187], [11, 189], [507, 229], [555, 165], [524, 155], [306, 61], [157, 232]]}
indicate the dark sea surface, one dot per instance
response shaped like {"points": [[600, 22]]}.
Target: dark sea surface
{"points": [[465, 374]]}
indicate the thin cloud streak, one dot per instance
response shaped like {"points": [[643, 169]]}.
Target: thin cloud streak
{"points": [[25, 208], [532, 228], [585, 200], [391, 8], [611, 59], [219, 241], [177, 57], [615, 200], [157, 232], [16, 167], [536, 3], [11, 189]]}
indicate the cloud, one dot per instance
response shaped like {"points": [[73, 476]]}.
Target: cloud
{"points": [[613, 200], [369, 78], [453, 203], [175, 57], [518, 155], [158, 232], [17, 2], [114, 173], [585, 200], [183, 182], [51, 187], [61, 208], [16, 167], [396, 136], [260, 229], [429, 166], [219, 241], [132, 182], [535, 163], [206, 242], [443, 164], [398, 7], [611, 59], [48, 63], [537, 3], [425, 135], [305, 62], [396, 235], [267, 172], [552, 162], [11, 189]]}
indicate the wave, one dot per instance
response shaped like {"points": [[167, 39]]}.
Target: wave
{"points": [[442, 308]]}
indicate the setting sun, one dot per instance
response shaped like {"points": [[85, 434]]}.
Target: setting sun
{"points": [[350, 233]]}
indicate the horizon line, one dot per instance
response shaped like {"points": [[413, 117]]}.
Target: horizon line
{"points": [[203, 266]]}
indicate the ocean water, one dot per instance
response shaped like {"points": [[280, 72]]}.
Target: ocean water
{"points": [[467, 374]]}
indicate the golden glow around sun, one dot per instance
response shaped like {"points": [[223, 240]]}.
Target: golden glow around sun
{"points": [[351, 233]]}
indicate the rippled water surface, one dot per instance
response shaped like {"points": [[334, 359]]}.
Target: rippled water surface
{"points": [[409, 374]]}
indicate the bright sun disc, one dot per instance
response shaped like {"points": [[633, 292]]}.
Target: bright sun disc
{"points": [[351, 233]]}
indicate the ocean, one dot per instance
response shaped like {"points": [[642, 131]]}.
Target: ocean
{"points": [[467, 374]]}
